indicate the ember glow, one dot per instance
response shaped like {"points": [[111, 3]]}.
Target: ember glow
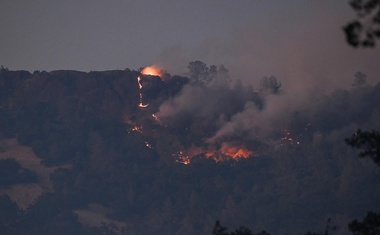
{"points": [[224, 153], [148, 145], [227, 151], [181, 157], [235, 152], [152, 70], [154, 116]]}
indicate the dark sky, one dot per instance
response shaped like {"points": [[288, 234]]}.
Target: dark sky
{"points": [[296, 40]]}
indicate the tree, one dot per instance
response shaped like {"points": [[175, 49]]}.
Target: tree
{"points": [[363, 31], [199, 72], [368, 142], [220, 230], [3, 69], [270, 84], [369, 226], [360, 79]]}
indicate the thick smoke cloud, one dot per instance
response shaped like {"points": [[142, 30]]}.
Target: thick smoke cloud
{"points": [[311, 59], [245, 115], [233, 113]]}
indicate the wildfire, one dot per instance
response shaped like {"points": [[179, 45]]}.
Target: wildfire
{"points": [[235, 152], [182, 158], [141, 104], [225, 152], [152, 70]]}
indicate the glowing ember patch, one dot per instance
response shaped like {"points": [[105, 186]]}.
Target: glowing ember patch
{"points": [[152, 70], [155, 117], [181, 158], [136, 128], [209, 154], [235, 152], [141, 105], [148, 145]]}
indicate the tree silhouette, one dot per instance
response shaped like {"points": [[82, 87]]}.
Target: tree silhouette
{"points": [[220, 230], [270, 84], [363, 31], [369, 226], [360, 79], [368, 142], [199, 72]]}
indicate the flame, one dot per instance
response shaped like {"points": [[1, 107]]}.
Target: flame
{"points": [[152, 70], [235, 152], [141, 105], [139, 82], [225, 152]]}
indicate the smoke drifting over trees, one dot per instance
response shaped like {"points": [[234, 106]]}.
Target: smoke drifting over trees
{"points": [[205, 146]]}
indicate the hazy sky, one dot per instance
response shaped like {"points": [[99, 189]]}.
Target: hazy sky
{"points": [[295, 40]]}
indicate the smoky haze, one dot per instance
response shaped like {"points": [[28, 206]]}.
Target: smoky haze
{"points": [[309, 56], [304, 48]]}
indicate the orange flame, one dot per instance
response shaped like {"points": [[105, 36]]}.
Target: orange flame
{"points": [[141, 105], [139, 82], [152, 70], [235, 152], [225, 152]]}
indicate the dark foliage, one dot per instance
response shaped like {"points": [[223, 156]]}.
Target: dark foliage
{"points": [[369, 226], [220, 230], [270, 84], [9, 216], [364, 31], [11, 173], [368, 142]]}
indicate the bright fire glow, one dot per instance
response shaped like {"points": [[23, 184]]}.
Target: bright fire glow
{"points": [[141, 105], [152, 70], [225, 152], [235, 152], [139, 82]]}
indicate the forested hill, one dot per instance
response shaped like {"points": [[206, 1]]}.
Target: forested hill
{"points": [[142, 154]]}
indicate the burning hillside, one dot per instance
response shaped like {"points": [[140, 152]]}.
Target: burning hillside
{"points": [[195, 127], [207, 115], [157, 151]]}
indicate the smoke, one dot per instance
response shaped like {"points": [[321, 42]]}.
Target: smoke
{"points": [[309, 56], [224, 112]]}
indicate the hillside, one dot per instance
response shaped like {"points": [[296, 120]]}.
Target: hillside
{"points": [[128, 152]]}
